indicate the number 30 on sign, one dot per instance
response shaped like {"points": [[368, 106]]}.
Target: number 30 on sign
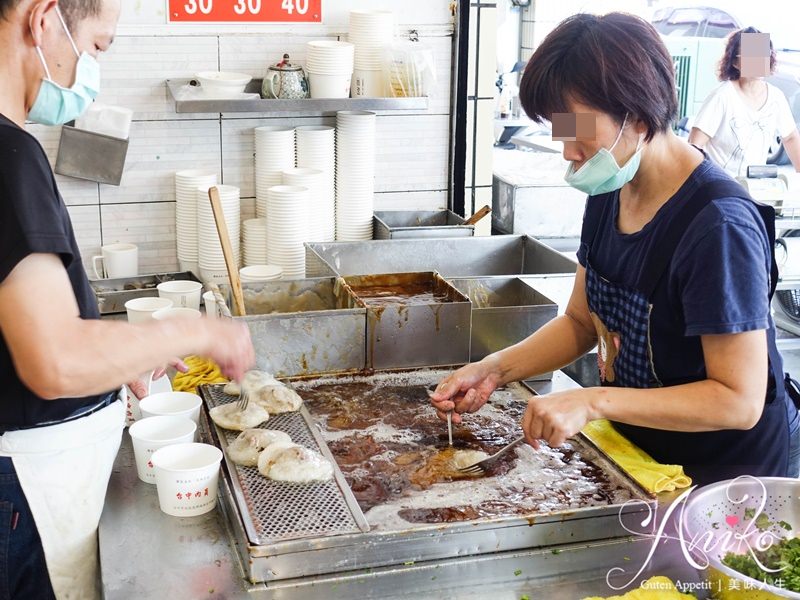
{"points": [[245, 11]]}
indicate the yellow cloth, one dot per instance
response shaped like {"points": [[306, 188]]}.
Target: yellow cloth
{"points": [[652, 476], [201, 372], [655, 588]]}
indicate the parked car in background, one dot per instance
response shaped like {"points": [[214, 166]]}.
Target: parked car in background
{"points": [[689, 21], [695, 36]]}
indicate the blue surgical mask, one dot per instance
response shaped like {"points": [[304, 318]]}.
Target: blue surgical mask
{"points": [[56, 105], [601, 173]]}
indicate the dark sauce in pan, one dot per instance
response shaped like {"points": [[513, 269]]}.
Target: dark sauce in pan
{"points": [[410, 294]]}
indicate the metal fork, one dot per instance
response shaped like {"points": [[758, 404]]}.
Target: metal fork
{"points": [[431, 389], [244, 399], [481, 467]]}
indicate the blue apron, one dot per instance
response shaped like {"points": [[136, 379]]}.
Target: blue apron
{"points": [[623, 317]]}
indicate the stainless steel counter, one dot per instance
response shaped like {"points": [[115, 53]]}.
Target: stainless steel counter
{"points": [[146, 554]]}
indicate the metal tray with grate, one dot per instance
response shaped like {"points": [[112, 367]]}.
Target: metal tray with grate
{"points": [[275, 511]]}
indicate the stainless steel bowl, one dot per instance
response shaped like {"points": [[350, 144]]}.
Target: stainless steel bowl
{"points": [[722, 518]]}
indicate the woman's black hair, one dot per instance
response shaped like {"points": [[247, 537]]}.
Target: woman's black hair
{"points": [[615, 63]]}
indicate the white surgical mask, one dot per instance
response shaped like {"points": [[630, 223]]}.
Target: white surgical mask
{"points": [[56, 105], [601, 173]]}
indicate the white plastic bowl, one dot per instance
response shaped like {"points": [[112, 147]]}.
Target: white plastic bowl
{"points": [[222, 84]]}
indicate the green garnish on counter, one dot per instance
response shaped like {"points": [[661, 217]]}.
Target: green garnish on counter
{"points": [[785, 555]]}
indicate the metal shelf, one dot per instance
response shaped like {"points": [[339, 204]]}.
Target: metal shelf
{"points": [[307, 107]]}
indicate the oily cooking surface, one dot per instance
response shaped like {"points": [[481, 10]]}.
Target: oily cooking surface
{"points": [[393, 451]]}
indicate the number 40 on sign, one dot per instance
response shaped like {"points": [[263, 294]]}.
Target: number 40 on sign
{"points": [[245, 11]]}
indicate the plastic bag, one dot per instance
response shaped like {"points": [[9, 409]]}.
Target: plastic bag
{"points": [[410, 70]]}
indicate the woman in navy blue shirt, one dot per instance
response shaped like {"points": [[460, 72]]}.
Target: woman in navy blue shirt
{"points": [[675, 274]]}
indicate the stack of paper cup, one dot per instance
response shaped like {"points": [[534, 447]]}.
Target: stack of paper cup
{"points": [[355, 175], [212, 259], [186, 184], [329, 65], [371, 31], [322, 203], [316, 149], [287, 229], [275, 152], [254, 242]]}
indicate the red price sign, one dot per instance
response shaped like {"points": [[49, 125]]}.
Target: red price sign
{"points": [[245, 11]]}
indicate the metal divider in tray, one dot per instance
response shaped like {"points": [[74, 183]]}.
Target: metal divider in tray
{"points": [[275, 511]]}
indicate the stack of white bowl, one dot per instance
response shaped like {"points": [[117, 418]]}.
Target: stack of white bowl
{"points": [[371, 31], [316, 149], [287, 229], [355, 175], [275, 152], [329, 65], [254, 242], [186, 184], [321, 204], [212, 260], [260, 273]]}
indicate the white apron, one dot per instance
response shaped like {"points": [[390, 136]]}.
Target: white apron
{"points": [[64, 471]]}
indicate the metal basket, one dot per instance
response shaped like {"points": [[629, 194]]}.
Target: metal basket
{"points": [[718, 512]]}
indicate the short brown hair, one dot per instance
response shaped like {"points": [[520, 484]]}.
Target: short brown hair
{"points": [[615, 63], [727, 67], [74, 11]]}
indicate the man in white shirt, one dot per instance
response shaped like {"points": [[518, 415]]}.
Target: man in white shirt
{"points": [[742, 117]]}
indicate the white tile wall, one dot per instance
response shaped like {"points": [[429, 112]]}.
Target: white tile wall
{"points": [[484, 142], [86, 220], [411, 200], [252, 54], [158, 149], [471, 108], [487, 61], [482, 76], [150, 226], [412, 153], [472, 59], [414, 149], [75, 191], [135, 69], [483, 197]]}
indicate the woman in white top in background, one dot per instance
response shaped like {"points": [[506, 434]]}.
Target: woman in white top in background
{"points": [[741, 118]]}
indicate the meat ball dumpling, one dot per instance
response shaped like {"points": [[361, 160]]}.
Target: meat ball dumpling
{"points": [[294, 463], [232, 388], [277, 399], [230, 416], [244, 450], [251, 381]]}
